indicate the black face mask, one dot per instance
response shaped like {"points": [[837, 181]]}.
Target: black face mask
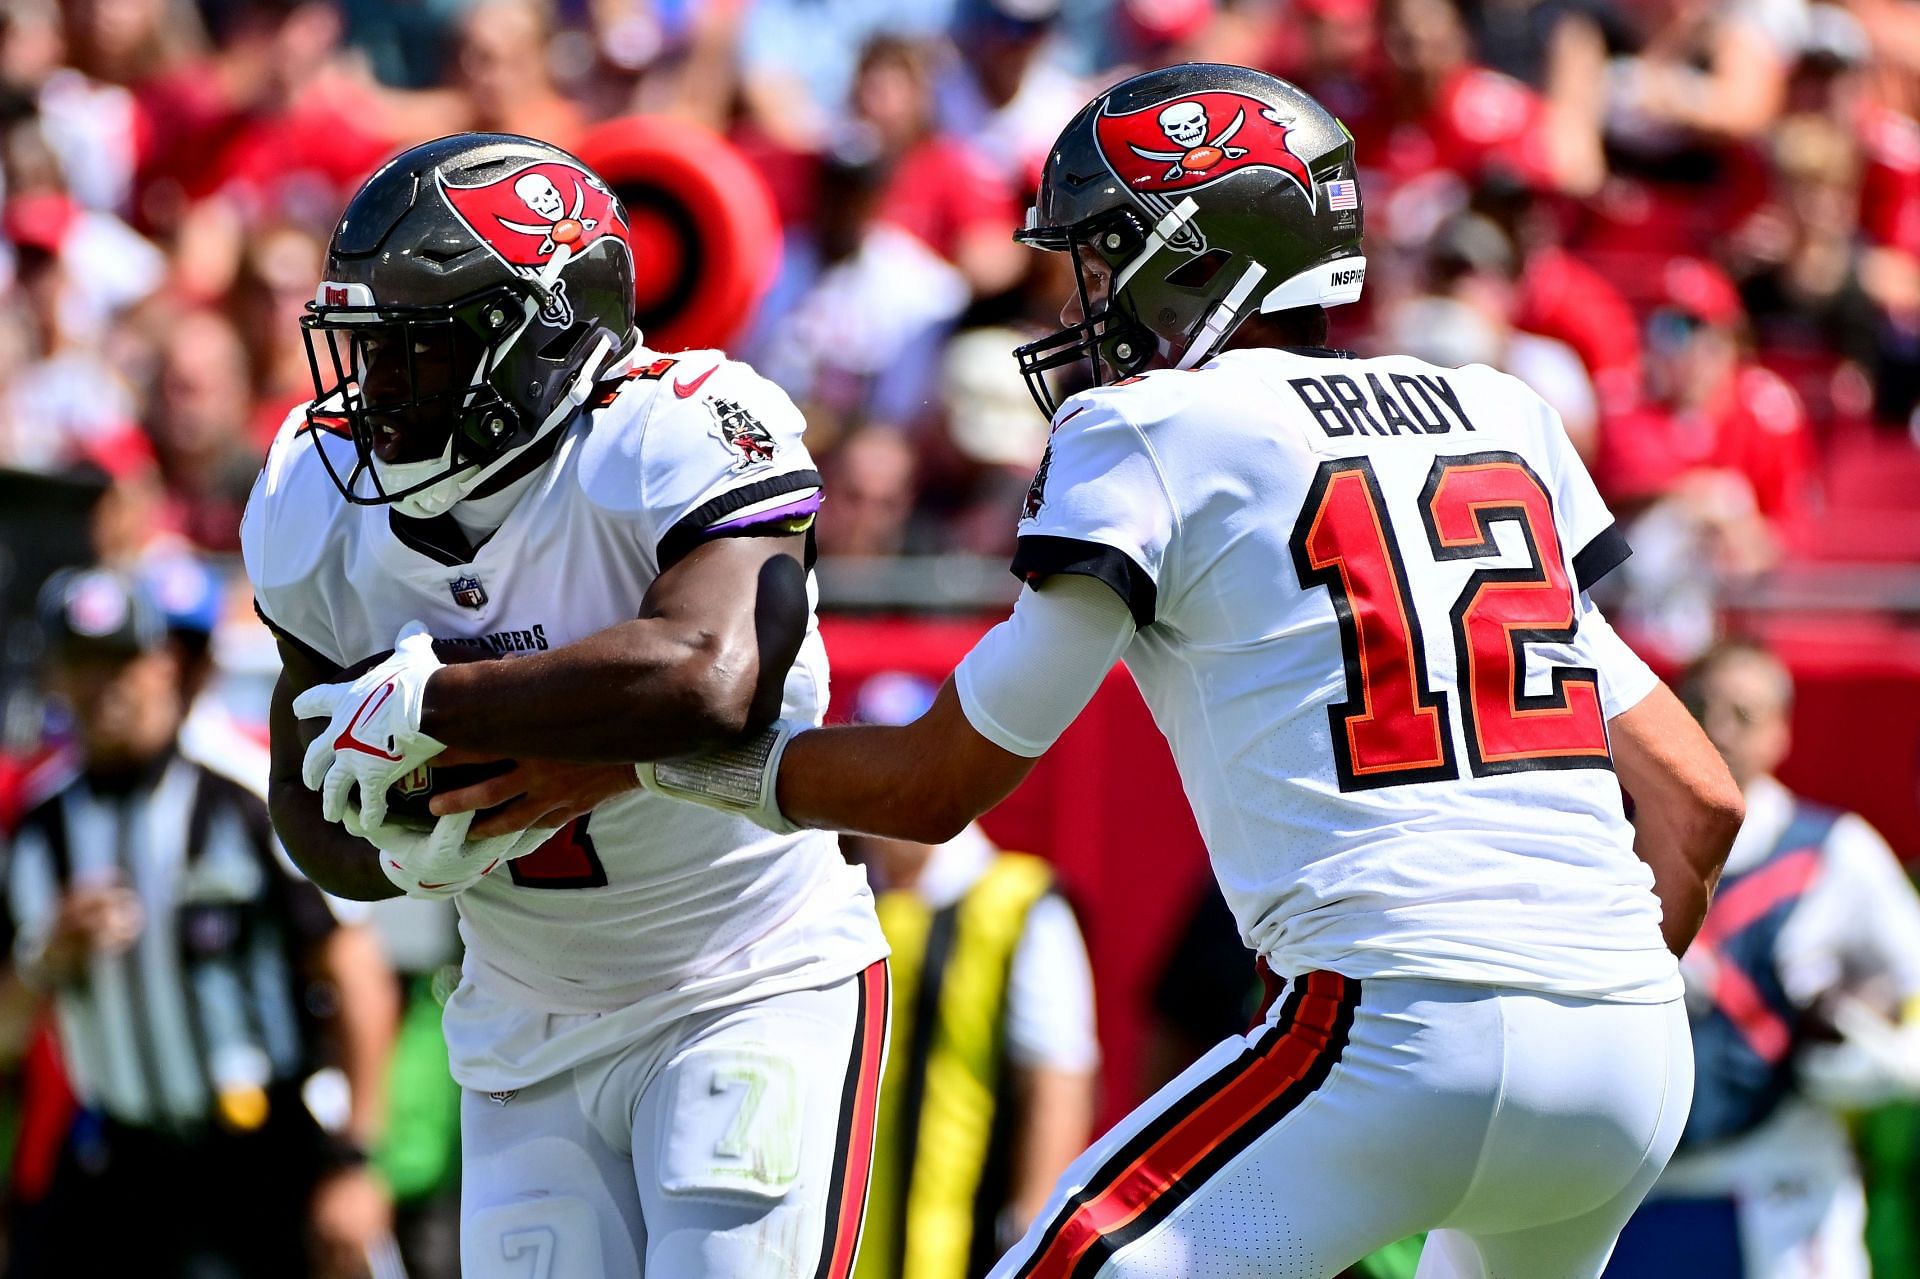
{"points": [[1112, 343], [402, 382]]}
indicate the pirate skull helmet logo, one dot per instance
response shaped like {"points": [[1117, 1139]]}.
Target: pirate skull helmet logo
{"points": [[573, 210], [540, 195], [1186, 126]]}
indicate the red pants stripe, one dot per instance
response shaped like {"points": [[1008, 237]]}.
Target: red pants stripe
{"points": [[1175, 1153], [853, 1150]]}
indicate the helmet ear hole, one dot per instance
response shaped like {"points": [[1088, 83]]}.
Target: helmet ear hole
{"points": [[561, 346], [1198, 272]]}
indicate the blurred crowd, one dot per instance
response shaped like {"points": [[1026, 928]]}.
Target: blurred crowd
{"points": [[1694, 225]]}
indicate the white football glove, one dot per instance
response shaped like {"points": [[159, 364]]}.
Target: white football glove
{"points": [[441, 862], [735, 779], [372, 738]]}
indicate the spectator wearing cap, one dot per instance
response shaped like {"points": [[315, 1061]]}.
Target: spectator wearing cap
{"points": [[108, 268], [1802, 992], [1468, 317], [1009, 92], [1707, 406], [989, 1090], [998, 438], [199, 987], [1710, 471], [65, 396]]}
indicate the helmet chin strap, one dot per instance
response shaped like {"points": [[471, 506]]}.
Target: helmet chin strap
{"points": [[437, 499]]}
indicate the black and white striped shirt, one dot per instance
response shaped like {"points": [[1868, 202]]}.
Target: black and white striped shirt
{"points": [[213, 995]]}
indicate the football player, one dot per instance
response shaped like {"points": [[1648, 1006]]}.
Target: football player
{"points": [[671, 1022], [1354, 594]]}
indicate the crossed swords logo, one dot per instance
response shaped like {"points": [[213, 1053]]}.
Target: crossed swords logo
{"points": [[1185, 124], [538, 193]]}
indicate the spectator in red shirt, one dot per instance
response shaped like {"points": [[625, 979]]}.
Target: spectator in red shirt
{"points": [[1565, 298], [1452, 114], [1707, 406], [937, 188]]}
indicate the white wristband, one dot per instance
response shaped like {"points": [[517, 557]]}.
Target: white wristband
{"points": [[735, 779]]}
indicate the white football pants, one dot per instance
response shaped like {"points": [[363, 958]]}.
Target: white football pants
{"points": [[737, 1146], [1521, 1129]]}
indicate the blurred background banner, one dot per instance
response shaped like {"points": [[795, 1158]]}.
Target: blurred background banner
{"points": [[1692, 225]]}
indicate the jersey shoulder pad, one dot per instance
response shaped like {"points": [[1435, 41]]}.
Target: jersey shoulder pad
{"points": [[1503, 398], [295, 508], [676, 436]]}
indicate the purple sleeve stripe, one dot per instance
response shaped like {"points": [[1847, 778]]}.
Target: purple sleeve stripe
{"points": [[808, 505]]}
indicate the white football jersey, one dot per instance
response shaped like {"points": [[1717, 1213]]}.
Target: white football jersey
{"points": [[649, 908], [1360, 587]]}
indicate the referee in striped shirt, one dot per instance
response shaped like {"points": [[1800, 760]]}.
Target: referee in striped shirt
{"points": [[195, 981]]}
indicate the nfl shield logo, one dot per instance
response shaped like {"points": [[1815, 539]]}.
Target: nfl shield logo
{"points": [[467, 592]]}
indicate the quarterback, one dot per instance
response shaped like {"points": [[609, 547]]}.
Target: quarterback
{"points": [[1353, 593], [671, 1022]]}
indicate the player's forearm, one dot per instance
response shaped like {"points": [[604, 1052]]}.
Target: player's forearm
{"points": [[1687, 809], [645, 689], [334, 860], [873, 780], [1056, 1122], [923, 781]]}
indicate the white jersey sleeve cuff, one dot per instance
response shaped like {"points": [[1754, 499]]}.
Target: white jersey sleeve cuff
{"points": [[1030, 676], [1625, 680]]}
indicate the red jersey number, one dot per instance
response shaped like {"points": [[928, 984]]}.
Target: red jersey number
{"points": [[1393, 728]]}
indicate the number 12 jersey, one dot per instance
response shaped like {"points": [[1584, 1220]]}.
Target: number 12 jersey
{"points": [[1360, 586]]}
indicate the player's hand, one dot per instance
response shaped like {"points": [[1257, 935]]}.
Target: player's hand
{"points": [[93, 919], [441, 862], [373, 735], [535, 793]]}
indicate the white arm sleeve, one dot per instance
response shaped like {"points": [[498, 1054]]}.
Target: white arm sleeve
{"points": [[1028, 677]]}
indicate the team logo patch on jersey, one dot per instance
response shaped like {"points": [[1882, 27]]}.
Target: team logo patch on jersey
{"points": [[536, 218], [1037, 491], [742, 432], [1187, 142], [468, 592]]}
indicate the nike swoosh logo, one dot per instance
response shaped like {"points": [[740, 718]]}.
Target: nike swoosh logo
{"points": [[686, 387], [348, 742]]}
